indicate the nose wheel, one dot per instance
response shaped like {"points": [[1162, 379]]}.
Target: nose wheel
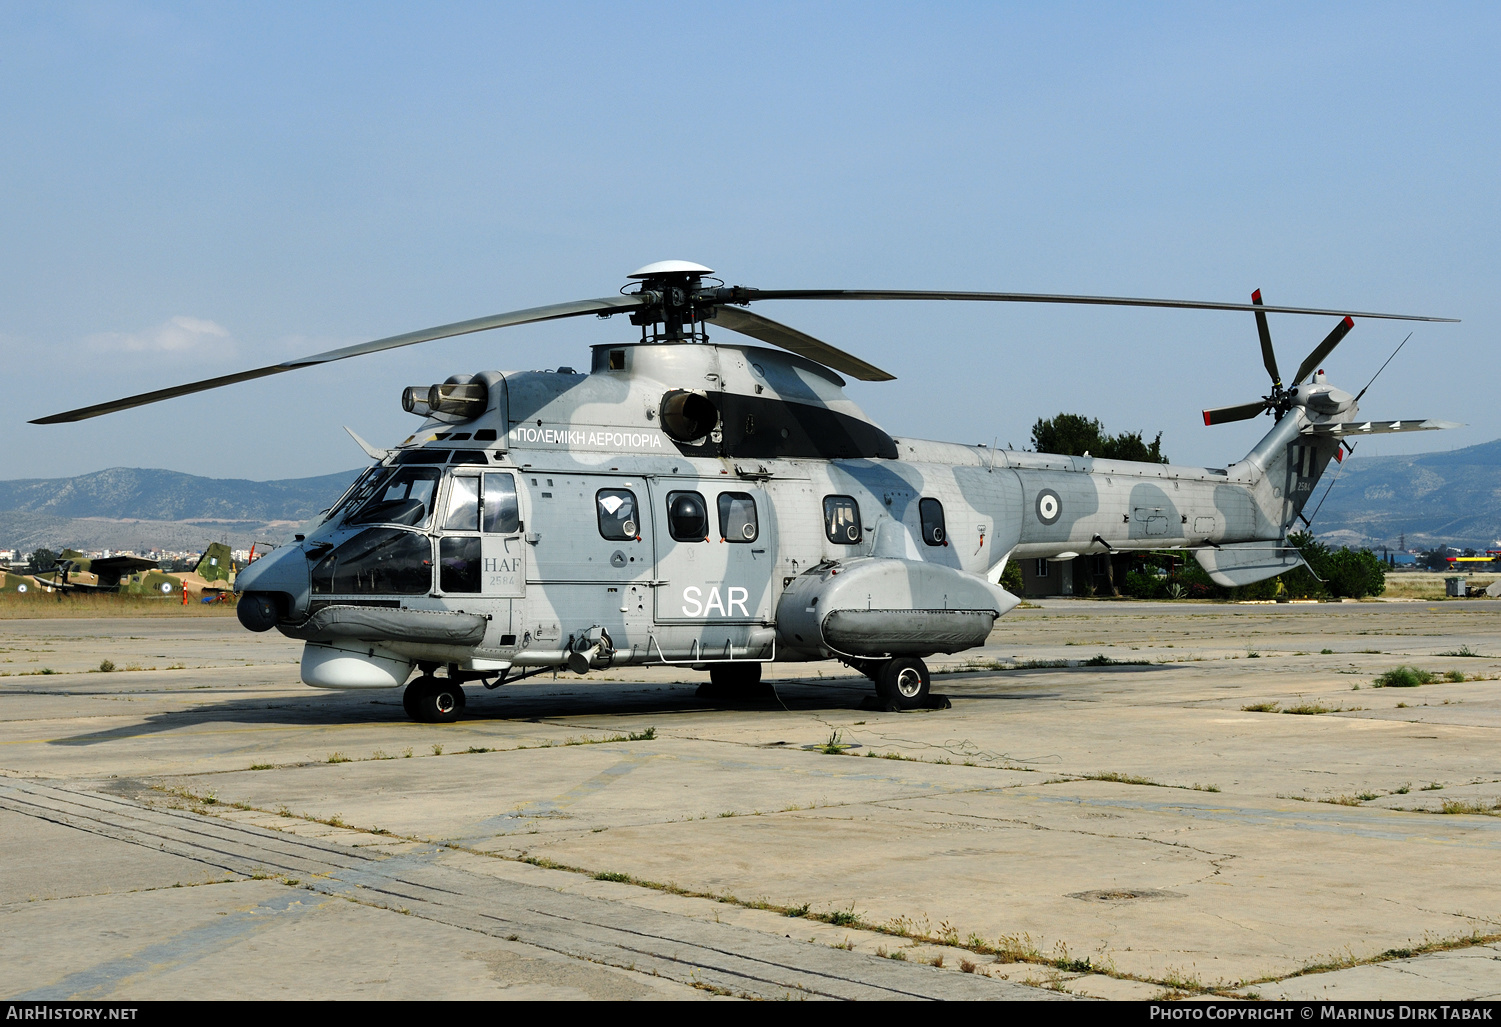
{"points": [[904, 681], [433, 700]]}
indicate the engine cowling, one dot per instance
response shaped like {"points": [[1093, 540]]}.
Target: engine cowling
{"points": [[876, 606]]}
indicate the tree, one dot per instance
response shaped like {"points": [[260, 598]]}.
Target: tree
{"points": [[1344, 571], [44, 559], [1075, 435]]}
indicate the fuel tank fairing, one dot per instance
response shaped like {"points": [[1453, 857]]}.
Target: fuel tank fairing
{"points": [[877, 606]]}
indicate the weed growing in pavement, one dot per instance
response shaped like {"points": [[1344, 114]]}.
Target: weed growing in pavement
{"points": [[842, 917], [1260, 707], [1471, 806], [1404, 677]]}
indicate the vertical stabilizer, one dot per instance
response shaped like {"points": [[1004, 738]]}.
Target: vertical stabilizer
{"points": [[216, 565]]}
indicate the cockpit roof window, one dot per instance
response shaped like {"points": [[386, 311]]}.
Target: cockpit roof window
{"points": [[423, 456]]}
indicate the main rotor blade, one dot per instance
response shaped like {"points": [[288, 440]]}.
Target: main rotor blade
{"points": [[773, 333], [746, 295], [1322, 350], [1224, 415], [479, 324], [1268, 355]]}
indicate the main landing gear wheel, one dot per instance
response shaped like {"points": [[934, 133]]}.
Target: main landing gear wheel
{"points": [[904, 681], [433, 700], [734, 682], [735, 677]]}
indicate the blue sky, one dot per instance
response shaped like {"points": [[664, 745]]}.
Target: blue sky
{"points": [[186, 190]]}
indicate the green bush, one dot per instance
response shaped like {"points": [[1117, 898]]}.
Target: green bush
{"points": [[1346, 573], [1144, 585], [1405, 677], [1011, 577]]}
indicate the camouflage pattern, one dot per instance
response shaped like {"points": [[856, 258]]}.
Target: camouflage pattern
{"points": [[629, 545]]}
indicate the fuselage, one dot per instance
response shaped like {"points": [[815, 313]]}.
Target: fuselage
{"points": [[567, 511]]}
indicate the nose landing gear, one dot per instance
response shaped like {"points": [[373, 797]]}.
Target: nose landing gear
{"points": [[433, 700]]}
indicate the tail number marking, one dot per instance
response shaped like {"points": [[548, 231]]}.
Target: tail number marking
{"points": [[695, 605]]}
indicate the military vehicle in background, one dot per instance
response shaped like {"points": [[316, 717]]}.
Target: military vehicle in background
{"points": [[136, 575]]}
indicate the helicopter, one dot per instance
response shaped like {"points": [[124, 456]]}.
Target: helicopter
{"points": [[723, 505]]}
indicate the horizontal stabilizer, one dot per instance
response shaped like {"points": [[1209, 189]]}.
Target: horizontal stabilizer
{"points": [[1246, 563], [1346, 429]]}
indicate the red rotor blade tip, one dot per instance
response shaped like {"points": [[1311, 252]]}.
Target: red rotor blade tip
{"points": [[1256, 296], [1206, 417]]}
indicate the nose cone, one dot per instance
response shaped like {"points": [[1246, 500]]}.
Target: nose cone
{"points": [[283, 571]]}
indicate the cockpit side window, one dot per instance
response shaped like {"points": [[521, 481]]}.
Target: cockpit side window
{"points": [[617, 514], [405, 497], [934, 531], [737, 517], [841, 520], [502, 514], [463, 504]]}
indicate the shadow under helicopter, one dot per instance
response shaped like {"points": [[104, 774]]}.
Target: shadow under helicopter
{"points": [[562, 699]]}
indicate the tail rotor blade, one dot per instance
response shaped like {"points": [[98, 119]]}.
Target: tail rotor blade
{"points": [[1268, 355], [1323, 349], [1244, 412]]}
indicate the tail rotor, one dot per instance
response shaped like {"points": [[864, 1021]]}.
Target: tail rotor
{"points": [[1279, 400]]}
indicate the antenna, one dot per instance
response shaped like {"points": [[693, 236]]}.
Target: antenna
{"points": [[1383, 367]]}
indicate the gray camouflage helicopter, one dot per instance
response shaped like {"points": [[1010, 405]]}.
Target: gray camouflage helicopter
{"points": [[724, 505]]}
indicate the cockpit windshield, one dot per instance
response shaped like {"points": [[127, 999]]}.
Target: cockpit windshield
{"points": [[402, 496]]}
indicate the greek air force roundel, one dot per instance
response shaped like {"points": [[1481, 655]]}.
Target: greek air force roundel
{"points": [[1049, 506]]}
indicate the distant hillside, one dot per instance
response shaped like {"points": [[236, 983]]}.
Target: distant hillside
{"points": [[1433, 498], [131, 508], [132, 493]]}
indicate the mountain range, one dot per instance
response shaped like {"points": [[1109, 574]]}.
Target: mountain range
{"points": [[1449, 498]]}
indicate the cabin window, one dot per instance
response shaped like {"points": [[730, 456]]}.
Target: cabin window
{"points": [[378, 561], [934, 532], [737, 517], [502, 514], [403, 498], [459, 563], [687, 517], [463, 505], [841, 520], [617, 514]]}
